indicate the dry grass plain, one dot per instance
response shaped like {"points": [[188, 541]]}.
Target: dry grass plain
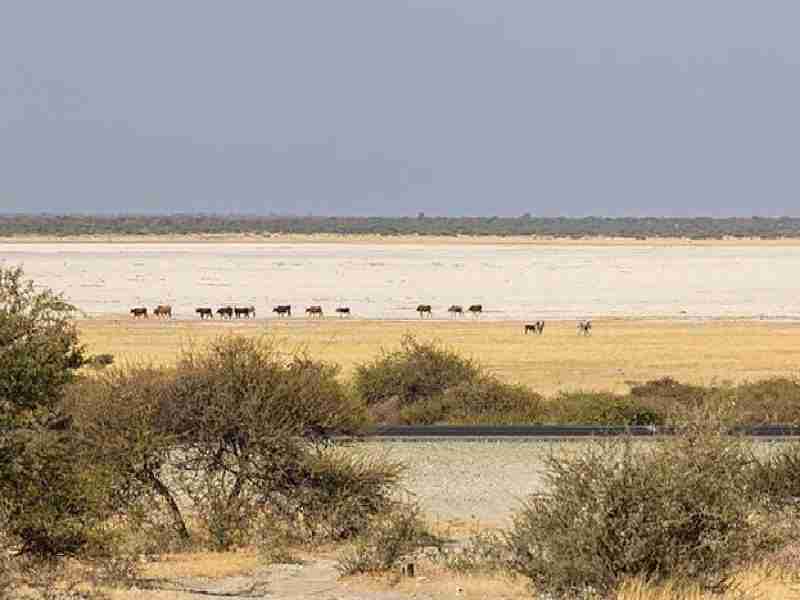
{"points": [[617, 353]]}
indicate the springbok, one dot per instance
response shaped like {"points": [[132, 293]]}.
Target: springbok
{"points": [[537, 328]]}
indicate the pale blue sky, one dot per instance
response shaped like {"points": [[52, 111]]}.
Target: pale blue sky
{"points": [[379, 107]]}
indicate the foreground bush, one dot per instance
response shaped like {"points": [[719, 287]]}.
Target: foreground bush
{"points": [[683, 509], [250, 424], [53, 491]]}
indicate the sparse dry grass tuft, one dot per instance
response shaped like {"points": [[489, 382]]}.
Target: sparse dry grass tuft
{"points": [[434, 581], [754, 584], [209, 565]]}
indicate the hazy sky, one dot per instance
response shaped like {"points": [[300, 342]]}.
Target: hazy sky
{"points": [[391, 107]]}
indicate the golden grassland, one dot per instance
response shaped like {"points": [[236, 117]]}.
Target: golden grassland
{"points": [[617, 353]]}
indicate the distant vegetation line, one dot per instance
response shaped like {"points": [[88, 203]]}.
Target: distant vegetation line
{"points": [[694, 228]]}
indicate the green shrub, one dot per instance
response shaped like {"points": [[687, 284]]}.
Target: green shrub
{"points": [[484, 400], [417, 371], [39, 351], [682, 509], [598, 408], [774, 400], [392, 538], [53, 489]]}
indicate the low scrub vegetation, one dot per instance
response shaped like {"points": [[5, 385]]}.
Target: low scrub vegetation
{"points": [[424, 383], [685, 509]]}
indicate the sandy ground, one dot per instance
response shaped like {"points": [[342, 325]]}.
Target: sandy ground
{"points": [[317, 578], [469, 485], [617, 353]]}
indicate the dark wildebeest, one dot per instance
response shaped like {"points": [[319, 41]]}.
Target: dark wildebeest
{"points": [[584, 327], [226, 312], [139, 312], [245, 311], [343, 311], [475, 309], [424, 309], [314, 311], [456, 310], [283, 309], [204, 312], [537, 327], [163, 311]]}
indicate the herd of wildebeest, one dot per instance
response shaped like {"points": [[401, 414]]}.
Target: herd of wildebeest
{"points": [[164, 311]]}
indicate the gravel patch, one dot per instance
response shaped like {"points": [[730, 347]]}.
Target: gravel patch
{"points": [[483, 480]]}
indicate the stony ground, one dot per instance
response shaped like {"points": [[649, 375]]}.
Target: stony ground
{"points": [[470, 480]]}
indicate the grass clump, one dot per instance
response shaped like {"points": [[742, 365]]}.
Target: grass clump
{"points": [[682, 510], [595, 408], [392, 537], [483, 552]]}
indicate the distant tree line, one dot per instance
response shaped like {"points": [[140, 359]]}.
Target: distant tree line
{"points": [[525, 225]]}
